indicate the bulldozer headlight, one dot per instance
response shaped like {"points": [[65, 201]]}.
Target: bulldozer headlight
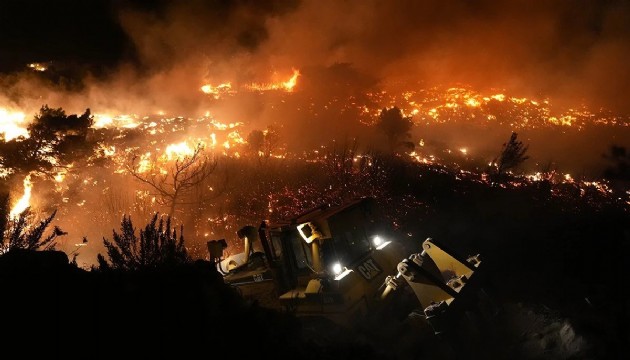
{"points": [[379, 243], [337, 268], [340, 271]]}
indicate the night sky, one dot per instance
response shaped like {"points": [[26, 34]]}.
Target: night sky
{"points": [[96, 32], [64, 31]]}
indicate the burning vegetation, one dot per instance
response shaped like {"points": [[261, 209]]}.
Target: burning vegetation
{"points": [[215, 176]]}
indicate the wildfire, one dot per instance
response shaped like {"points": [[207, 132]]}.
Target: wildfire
{"points": [[178, 151], [290, 84], [24, 201], [41, 67], [287, 85], [118, 121], [159, 140], [439, 105], [219, 90], [144, 164], [12, 124]]}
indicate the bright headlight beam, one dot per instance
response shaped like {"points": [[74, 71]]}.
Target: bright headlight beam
{"points": [[343, 274], [336, 268], [379, 243], [377, 240]]}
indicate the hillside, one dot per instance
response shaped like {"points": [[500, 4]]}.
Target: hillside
{"points": [[553, 258]]}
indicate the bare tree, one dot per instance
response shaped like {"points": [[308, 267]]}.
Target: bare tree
{"points": [[173, 184]]}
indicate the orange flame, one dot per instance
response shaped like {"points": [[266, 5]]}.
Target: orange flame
{"points": [[217, 91], [288, 85], [12, 124], [24, 201]]}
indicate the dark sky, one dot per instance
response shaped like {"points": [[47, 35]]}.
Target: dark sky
{"points": [[90, 32], [61, 30], [574, 50]]}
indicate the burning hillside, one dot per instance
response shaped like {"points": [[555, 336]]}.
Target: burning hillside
{"points": [[227, 113], [215, 175]]}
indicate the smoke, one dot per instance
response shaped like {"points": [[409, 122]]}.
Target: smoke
{"points": [[570, 51], [567, 50]]}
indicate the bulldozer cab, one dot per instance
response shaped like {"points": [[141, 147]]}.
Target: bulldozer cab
{"points": [[325, 242], [329, 261]]}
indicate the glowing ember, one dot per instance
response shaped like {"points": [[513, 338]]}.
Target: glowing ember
{"points": [[41, 67]]}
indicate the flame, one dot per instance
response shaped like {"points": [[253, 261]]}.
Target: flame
{"points": [[566, 120], [108, 121], [217, 91], [24, 201], [178, 151], [60, 176], [144, 164], [472, 102], [12, 124], [108, 151], [288, 85], [41, 67]]}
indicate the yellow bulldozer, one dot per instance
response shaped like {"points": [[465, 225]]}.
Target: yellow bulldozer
{"points": [[343, 262]]}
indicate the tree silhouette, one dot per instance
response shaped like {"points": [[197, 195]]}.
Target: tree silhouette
{"points": [[255, 141], [54, 140], [512, 155], [263, 143], [173, 184], [395, 126], [157, 245]]}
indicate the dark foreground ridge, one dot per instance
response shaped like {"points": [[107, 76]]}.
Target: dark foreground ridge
{"points": [[52, 308], [55, 309]]}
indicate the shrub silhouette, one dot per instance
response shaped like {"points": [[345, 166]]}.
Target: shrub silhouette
{"points": [[156, 246], [22, 233]]}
